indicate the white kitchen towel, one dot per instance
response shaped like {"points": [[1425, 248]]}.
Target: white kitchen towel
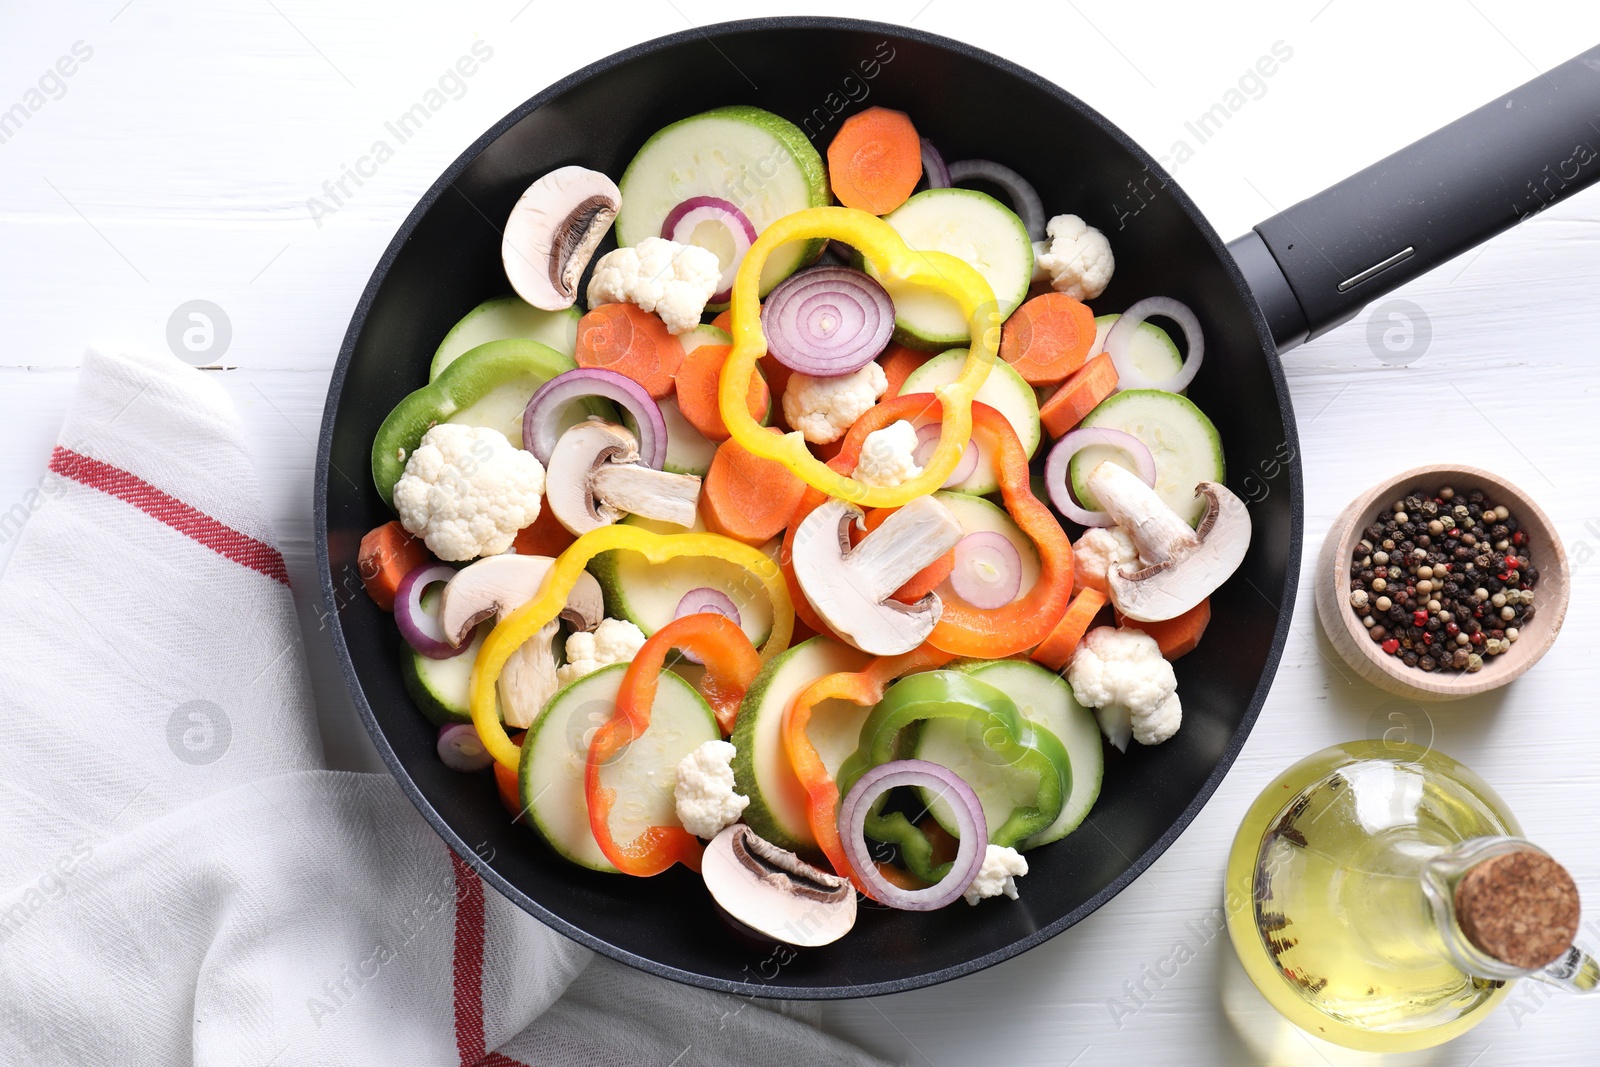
{"points": [[180, 880]]}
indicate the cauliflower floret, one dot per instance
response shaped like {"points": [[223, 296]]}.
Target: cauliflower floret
{"points": [[822, 409], [1100, 549], [999, 873], [613, 641], [1076, 259], [466, 491], [888, 456], [1122, 674], [704, 792], [671, 279]]}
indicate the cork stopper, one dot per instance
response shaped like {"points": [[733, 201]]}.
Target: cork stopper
{"points": [[1519, 907]]}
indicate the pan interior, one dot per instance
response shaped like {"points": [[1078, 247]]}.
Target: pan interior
{"points": [[815, 72]]}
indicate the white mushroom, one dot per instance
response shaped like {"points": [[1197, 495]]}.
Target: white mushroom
{"points": [[495, 587], [553, 231], [594, 478], [1180, 566], [774, 892], [851, 587]]}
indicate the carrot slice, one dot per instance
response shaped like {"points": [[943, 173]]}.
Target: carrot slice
{"points": [[777, 376], [875, 160], [387, 554], [747, 497], [1079, 394], [924, 581], [633, 342], [698, 375], [898, 362], [1048, 338], [546, 537], [724, 321], [1177, 637], [1056, 650]]}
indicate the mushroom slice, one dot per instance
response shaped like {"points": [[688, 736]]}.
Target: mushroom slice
{"points": [[553, 231], [495, 587], [594, 478], [851, 587], [1180, 566], [774, 892]]}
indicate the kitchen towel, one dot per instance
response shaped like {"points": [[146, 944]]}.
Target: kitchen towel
{"points": [[180, 879]]}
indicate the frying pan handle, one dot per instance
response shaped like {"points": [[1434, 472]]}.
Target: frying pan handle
{"points": [[1314, 266]]}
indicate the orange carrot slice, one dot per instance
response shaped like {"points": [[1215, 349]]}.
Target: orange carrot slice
{"points": [[1177, 637], [387, 554], [1079, 394], [1056, 650], [875, 160], [898, 362], [632, 342], [546, 537], [698, 375], [1048, 338], [747, 497]]}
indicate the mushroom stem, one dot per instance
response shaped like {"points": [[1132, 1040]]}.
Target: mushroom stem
{"points": [[653, 494], [1157, 531], [915, 536], [528, 680]]}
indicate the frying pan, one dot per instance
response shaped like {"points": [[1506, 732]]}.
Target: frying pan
{"points": [[1295, 276]]}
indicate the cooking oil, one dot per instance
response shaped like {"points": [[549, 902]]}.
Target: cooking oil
{"points": [[1341, 902]]}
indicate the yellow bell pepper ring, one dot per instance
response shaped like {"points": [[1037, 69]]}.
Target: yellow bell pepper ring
{"points": [[509, 634], [895, 263]]}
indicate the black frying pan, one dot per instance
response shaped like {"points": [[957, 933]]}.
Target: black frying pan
{"points": [[1295, 276]]}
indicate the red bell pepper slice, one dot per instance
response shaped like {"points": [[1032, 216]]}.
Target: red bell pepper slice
{"points": [[731, 665]]}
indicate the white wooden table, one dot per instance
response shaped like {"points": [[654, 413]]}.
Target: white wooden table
{"points": [[176, 161]]}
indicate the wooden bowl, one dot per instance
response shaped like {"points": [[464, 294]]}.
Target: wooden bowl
{"points": [[1343, 626]]}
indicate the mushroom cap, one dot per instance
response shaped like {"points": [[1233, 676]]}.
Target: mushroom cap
{"points": [[569, 476], [496, 586], [1171, 587], [851, 587], [553, 231], [775, 892]]}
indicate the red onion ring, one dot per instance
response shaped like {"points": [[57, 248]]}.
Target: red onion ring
{"points": [[1056, 466], [421, 630], [1024, 200], [992, 549], [461, 749], [827, 321], [1119, 343], [971, 827], [705, 599], [541, 417], [928, 442], [933, 167], [681, 221]]}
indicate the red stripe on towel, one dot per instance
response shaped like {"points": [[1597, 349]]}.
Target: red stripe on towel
{"points": [[468, 963], [190, 521], [468, 971]]}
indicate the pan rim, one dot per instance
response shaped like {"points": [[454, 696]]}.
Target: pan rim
{"points": [[483, 867]]}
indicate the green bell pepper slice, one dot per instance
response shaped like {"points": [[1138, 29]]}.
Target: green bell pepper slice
{"points": [[487, 386], [985, 708]]}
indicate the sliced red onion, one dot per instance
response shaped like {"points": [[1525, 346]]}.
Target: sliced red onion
{"points": [[541, 419], [681, 221], [420, 629], [971, 828], [1119, 343], [461, 749], [988, 570], [934, 170], [827, 321], [1058, 483], [1024, 201], [705, 599], [928, 442]]}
